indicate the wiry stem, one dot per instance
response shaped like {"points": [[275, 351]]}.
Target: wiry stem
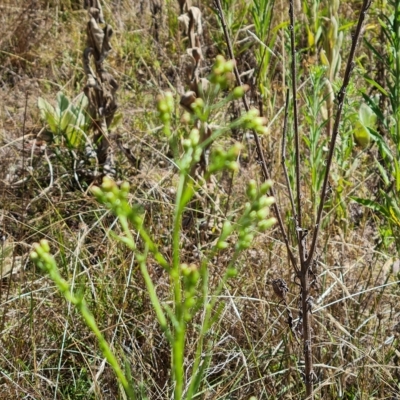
{"points": [[340, 102], [283, 155], [298, 215]]}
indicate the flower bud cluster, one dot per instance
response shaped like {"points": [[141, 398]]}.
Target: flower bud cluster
{"points": [[113, 197], [165, 106], [221, 72], [192, 150], [255, 215], [221, 159], [42, 257], [191, 276], [253, 121]]}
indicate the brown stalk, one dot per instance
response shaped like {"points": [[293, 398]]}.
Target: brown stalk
{"points": [[283, 155], [298, 215], [340, 102], [305, 260], [101, 87]]}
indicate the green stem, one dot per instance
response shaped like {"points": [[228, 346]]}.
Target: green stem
{"points": [[154, 299], [45, 260], [179, 328]]}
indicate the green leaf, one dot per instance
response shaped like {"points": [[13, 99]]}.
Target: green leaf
{"points": [[367, 116], [74, 136], [48, 115], [383, 147], [397, 174], [382, 171], [375, 108], [361, 135], [62, 103], [372, 205], [378, 86], [67, 118]]}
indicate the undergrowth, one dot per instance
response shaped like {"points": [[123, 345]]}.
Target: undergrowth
{"points": [[166, 116]]}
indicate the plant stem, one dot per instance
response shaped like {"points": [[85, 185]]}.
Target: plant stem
{"points": [[298, 215], [179, 329], [340, 102]]}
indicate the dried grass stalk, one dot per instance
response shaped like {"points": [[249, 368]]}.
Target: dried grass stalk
{"points": [[101, 86]]}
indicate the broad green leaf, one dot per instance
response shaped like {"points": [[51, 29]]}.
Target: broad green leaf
{"points": [[62, 103], [367, 116], [67, 118], [74, 136], [48, 115], [81, 102], [361, 135]]}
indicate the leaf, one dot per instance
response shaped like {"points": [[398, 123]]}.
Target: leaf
{"points": [[81, 101], [383, 147], [367, 116], [397, 174], [361, 135], [67, 118], [372, 205], [311, 38], [48, 115], [382, 171], [62, 103], [375, 108], [74, 136], [377, 85]]}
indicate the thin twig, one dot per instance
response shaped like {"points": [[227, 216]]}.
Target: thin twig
{"points": [[256, 139], [283, 155], [340, 102], [298, 215]]}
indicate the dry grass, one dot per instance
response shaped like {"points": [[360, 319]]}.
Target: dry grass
{"points": [[47, 351]]}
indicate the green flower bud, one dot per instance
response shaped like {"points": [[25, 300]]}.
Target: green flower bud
{"points": [[238, 92], [266, 224], [266, 186], [194, 137], [45, 245], [233, 166], [262, 213], [125, 187], [97, 192], [235, 150], [108, 184], [266, 201], [187, 144], [228, 66], [222, 245], [198, 103]]}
